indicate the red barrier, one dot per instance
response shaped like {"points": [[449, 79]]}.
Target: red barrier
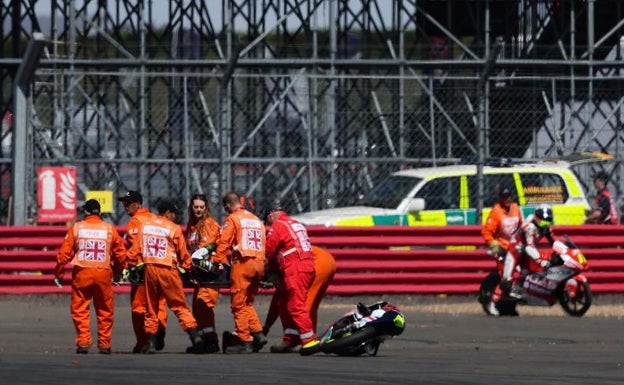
{"points": [[374, 260]]}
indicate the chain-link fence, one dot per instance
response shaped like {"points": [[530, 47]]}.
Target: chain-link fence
{"points": [[307, 102], [308, 140]]}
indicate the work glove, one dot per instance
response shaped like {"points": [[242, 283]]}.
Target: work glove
{"points": [[58, 281], [133, 273], [495, 248], [125, 273], [544, 264]]}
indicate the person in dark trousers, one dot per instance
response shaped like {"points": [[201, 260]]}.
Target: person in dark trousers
{"points": [[604, 210]]}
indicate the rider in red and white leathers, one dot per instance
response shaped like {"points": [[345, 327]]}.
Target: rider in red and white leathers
{"points": [[524, 245]]}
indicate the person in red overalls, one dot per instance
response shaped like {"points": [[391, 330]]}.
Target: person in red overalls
{"points": [[289, 252], [92, 246], [604, 210], [203, 230], [244, 235], [133, 204], [324, 271], [161, 247]]}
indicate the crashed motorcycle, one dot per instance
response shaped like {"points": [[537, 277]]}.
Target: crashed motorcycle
{"points": [[563, 282], [362, 330]]}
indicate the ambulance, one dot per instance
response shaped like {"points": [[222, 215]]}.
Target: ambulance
{"points": [[448, 196]]}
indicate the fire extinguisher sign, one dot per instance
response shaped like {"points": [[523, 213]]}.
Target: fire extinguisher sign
{"points": [[56, 194]]}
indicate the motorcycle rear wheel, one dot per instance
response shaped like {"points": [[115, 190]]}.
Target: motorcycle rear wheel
{"points": [[487, 288], [347, 344], [579, 305]]}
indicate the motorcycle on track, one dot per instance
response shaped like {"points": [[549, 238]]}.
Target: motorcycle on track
{"points": [[563, 282], [363, 329]]}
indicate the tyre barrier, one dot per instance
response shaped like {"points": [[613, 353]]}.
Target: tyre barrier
{"points": [[370, 260]]}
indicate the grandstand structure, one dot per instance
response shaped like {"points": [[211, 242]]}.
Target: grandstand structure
{"points": [[306, 102]]}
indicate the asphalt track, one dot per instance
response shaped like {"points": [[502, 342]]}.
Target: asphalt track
{"points": [[441, 345]]}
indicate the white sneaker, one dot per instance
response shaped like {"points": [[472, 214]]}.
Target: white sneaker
{"points": [[492, 309]]}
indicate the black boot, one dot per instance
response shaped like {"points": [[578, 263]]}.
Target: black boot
{"points": [[233, 345], [259, 340], [227, 340], [150, 345], [196, 341], [160, 339], [211, 345]]}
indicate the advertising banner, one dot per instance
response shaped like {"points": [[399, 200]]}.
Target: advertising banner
{"points": [[56, 194]]}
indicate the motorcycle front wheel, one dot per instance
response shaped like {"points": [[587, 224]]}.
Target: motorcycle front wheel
{"points": [[578, 305], [347, 344]]}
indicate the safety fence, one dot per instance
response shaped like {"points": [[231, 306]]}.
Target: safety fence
{"points": [[373, 260]]}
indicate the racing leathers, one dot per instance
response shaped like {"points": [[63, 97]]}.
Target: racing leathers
{"points": [[521, 251], [289, 252], [92, 245], [244, 234], [202, 234]]}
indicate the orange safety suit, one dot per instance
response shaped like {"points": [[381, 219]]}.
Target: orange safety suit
{"points": [[502, 224], [138, 302], [92, 245], [324, 271], [245, 235], [288, 250], [205, 299], [161, 246]]}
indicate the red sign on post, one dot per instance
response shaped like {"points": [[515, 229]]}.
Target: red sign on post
{"points": [[56, 194]]}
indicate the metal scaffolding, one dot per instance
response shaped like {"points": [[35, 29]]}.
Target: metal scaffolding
{"points": [[308, 102]]}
